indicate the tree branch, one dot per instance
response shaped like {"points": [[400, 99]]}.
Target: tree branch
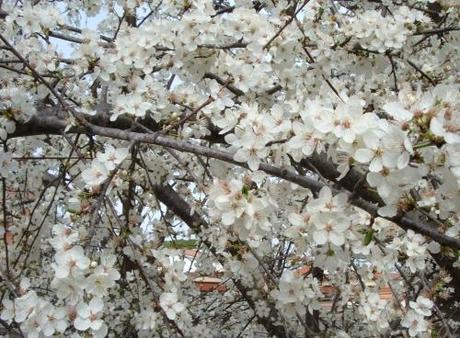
{"points": [[47, 124]]}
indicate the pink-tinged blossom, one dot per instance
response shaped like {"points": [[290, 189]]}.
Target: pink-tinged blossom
{"points": [[329, 227], [95, 174], [415, 323], [89, 317], [112, 157], [71, 262]]}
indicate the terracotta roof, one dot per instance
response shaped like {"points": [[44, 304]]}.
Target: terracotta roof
{"points": [[191, 253], [303, 270], [206, 279], [210, 284], [385, 293]]}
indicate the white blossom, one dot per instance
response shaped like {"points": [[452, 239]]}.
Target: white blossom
{"points": [[171, 305]]}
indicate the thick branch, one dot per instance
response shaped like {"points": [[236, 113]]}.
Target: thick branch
{"points": [[404, 221]]}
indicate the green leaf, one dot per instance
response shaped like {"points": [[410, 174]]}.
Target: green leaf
{"points": [[245, 191], [181, 244], [368, 236]]}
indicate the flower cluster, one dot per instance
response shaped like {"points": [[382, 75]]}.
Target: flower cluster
{"points": [[376, 30], [297, 294], [36, 316], [375, 309], [254, 131], [324, 220], [104, 163], [15, 105], [76, 279], [293, 168], [37, 19], [239, 208], [414, 319]]}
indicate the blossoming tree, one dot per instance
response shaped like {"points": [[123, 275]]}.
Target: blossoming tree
{"points": [[282, 135]]}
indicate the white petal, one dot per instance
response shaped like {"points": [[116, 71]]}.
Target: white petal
{"points": [[376, 165], [324, 126], [384, 190], [299, 128], [308, 148], [388, 211], [83, 310], [374, 179], [81, 324], [348, 135], [396, 110], [455, 171], [228, 218], [83, 263], [102, 332], [253, 163], [241, 155], [371, 140], [171, 314], [296, 219], [47, 330], [390, 158], [363, 155], [436, 127], [179, 307], [452, 138], [336, 238], [320, 237], [325, 193], [62, 271], [403, 160], [296, 142], [340, 199], [96, 324], [96, 304]]}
